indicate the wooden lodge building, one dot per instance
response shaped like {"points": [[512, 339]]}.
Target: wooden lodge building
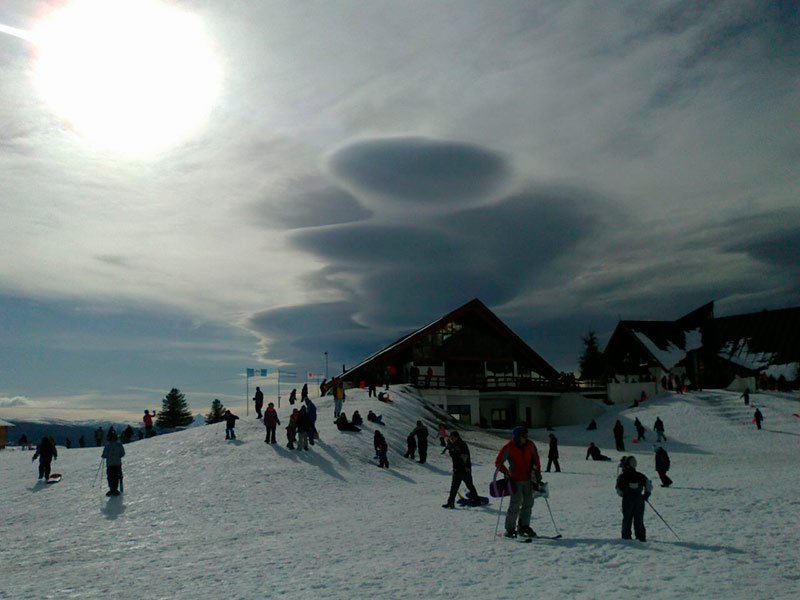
{"points": [[761, 348], [476, 368]]}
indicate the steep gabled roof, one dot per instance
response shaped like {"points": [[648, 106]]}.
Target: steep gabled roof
{"points": [[667, 342], [476, 308]]}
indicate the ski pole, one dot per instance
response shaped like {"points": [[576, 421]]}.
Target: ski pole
{"points": [[499, 512], [662, 519], [558, 533], [100, 466]]}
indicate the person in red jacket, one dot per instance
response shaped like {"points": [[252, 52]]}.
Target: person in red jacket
{"points": [[271, 421], [525, 471]]}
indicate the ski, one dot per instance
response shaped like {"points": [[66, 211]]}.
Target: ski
{"points": [[519, 540], [524, 540]]}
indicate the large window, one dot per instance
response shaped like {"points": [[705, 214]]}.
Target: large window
{"points": [[460, 412]]}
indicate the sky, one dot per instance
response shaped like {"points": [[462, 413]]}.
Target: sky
{"points": [[263, 521], [216, 186]]}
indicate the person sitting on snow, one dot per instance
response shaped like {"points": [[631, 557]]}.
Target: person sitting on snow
{"points": [[373, 418], [594, 452]]}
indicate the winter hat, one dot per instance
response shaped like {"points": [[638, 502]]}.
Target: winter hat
{"points": [[517, 433]]}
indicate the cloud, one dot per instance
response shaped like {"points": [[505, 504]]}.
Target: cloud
{"points": [[309, 202], [417, 172], [16, 401]]}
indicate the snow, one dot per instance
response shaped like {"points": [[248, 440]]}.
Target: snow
{"points": [[668, 357], [738, 352], [205, 518]]}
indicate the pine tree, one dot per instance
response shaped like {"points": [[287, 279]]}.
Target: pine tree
{"points": [[216, 413], [174, 411], [592, 362]]}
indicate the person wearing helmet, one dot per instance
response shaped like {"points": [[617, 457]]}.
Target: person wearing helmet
{"points": [[634, 489], [525, 470]]}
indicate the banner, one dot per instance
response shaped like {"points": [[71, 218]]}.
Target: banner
{"points": [[256, 372]]}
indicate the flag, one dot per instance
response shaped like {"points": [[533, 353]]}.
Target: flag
{"points": [[256, 372], [250, 372]]}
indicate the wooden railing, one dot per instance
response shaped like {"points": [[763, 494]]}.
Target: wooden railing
{"points": [[495, 382]]}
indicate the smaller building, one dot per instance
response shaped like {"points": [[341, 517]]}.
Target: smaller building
{"points": [[4, 427]]}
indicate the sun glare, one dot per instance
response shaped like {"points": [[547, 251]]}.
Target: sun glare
{"points": [[132, 76]]}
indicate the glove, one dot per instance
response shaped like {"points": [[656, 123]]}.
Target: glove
{"points": [[646, 496]]}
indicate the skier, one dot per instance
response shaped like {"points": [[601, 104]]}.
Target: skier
{"points": [[422, 441], [462, 470], [619, 430], [634, 489], [303, 425], [662, 466], [441, 435], [757, 418], [148, 423], [259, 401], [746, 396], [271, 421], [639, 429], [526, 472], [381, 449], [230, 423], [113, 453], [594, 452], [658, 427], [45, 452], [342, 424], [552, 454], [411, 447]]}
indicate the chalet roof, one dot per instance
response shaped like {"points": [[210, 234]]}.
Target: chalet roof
{"points": [[474, 307], [767, 340]]}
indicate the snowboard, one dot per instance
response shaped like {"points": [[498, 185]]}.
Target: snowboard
{"points": [[54, 478], [468, 502]]}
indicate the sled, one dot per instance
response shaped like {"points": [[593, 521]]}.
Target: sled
{"points": [[54, 478]]}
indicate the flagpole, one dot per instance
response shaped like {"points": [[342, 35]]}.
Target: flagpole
{"points": [[247, 394]]}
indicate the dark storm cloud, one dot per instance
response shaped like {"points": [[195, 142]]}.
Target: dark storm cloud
{"points": [[301, 334], [780, 249], [362, 245], [310, 203], [418, 170]]}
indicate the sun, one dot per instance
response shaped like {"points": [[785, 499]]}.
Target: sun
{"points": [[132, 76]]}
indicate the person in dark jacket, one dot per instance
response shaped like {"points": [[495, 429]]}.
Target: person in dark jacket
{"points": [[634, 489], [98, 436], [411, 446], [258, 399], [746, 396], [373, 418], [293, 397], [342, 424], [552, 454], [304, 392], [230, 424], [422, 441], [303, 424], [312, 417], [381, 450], [45, 452], [619, 430], [113, 453], [271, 422], [595, 453], [357, 420], [757, 418], [82, 442], [291, 430], [658, 427], [639, 429], [462, 470], [662, 466], [592, 425]]}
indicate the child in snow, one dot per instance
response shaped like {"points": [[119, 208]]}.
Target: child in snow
{"points": [[45, 452], [411, 442], [639, 429], [462, 470], [230, 423], [271, 422], [634, 489], [357, 420], [373, 418], [595, 453], [113, 453], [662, 466], [290, 430], [658, 427], [619, 430], [757, 418], [381, 450], [441, 435]]}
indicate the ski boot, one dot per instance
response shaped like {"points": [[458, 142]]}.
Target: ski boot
{"points": [[510, 533], [526, 531]]}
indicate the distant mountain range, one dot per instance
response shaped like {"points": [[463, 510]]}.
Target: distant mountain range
{"points": [[61, 430]]}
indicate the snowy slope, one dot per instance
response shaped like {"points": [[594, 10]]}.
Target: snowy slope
{"points": [[205, 518]]}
